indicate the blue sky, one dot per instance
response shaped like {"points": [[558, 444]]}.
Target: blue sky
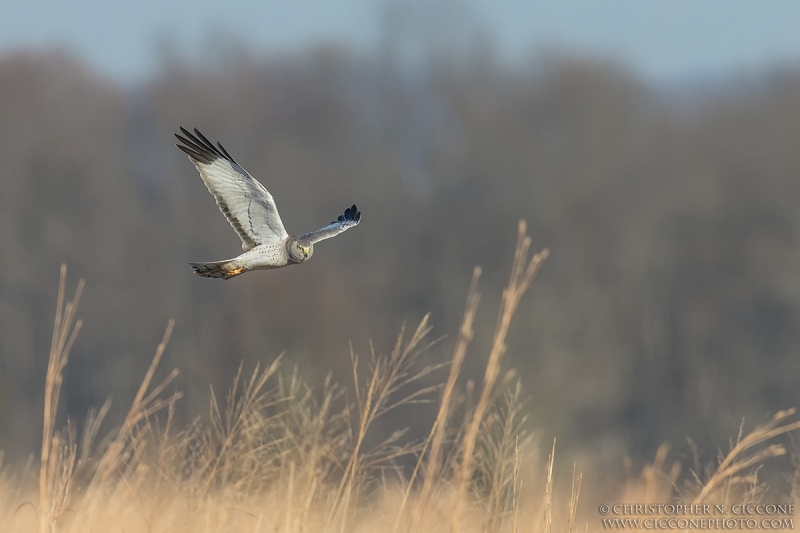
{"points": [[664, 41]]}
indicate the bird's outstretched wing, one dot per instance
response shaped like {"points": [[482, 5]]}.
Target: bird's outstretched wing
{"points": [[351, 217], [247, 205]]}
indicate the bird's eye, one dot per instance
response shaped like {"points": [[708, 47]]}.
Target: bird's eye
{"points": [[299, 248]]}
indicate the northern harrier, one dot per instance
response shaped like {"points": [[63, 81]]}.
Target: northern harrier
{"points": [[251, 210]]}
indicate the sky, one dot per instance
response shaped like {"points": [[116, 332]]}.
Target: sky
{"points": [[663, 41]]}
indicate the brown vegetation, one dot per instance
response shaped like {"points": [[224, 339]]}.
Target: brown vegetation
{"points": [[280, 456]]}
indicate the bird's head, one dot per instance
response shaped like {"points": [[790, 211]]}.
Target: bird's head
{"points": [[301, 251]]}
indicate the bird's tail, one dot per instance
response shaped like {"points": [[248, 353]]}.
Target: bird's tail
{"points": [[217, 269]]}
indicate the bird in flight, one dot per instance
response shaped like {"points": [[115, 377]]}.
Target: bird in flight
{"points": [[251, 210]]}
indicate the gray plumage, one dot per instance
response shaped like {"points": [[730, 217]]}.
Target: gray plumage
{"points": [[251, 210]]}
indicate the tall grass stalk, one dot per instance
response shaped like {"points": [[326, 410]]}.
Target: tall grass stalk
{"points": [[60, 463], [436, 437], [742, 456], [54, 485], [375, 398], [523, 272]]}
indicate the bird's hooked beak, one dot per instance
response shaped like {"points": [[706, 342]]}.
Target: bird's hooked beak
{"points": [[306, 251]]}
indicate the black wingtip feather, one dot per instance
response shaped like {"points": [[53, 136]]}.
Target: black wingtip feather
{"points": [[207, 143], [200, 148], [351, 214], [224, 151], [197, 156], [196, 146]]}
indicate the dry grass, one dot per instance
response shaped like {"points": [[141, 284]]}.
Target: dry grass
{"points": [[276, 455]]}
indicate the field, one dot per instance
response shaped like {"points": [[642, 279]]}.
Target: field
{"points": [[275, 455]]}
